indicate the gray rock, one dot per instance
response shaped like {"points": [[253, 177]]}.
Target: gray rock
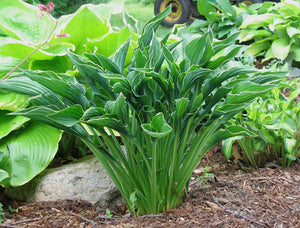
{"points": [[84, 180]]}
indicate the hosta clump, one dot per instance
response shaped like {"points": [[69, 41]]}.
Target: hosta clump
{"points": [[275, 33], [164, 110], [274, 122]]}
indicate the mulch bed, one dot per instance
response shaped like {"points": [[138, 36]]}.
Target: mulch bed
{"points": [[231, 198]]}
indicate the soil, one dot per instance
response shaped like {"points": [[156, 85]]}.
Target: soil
{"points": [[222, 195]]}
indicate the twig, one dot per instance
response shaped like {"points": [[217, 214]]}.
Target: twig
{"points": [[236, 214], [151, 216], [107, 218], [78, 216], [18, 222]]}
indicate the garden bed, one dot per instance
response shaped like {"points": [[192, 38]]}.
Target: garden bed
{"points": [[234, 197]]}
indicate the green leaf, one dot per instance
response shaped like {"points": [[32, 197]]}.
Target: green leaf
{"points": [[224, 56], [106, 63], [227, 146], [256, 21], [40, 114], [289, 145], [226, 7], [193, 77], [30, 151], [58, 64], [19, 49], [281, 48], [91, 72], [268, 135], [3, 175], [118, 107], [292, 31], [205, 9], [23, 85], [71, 91], [93, 112], [199, 50], [107, 8], [286, 124], [245, 91], [21, 21], [158, 127], [247, 35], [151, 27], [10, 123], [7, 64], [108, 44], [181, 107], [290, 157], [82, 26], [257, 47], [109, 122], [69, 116], [13, 101], [229, 132], [121, 55], [258, 144]]}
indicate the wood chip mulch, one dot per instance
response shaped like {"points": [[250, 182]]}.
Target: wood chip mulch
{"points": [[231, 198]]}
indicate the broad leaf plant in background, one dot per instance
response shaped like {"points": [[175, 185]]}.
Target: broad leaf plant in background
{"points": [[275, 32], [31, 36], [151, 122], [220, 16], [272, 30]]}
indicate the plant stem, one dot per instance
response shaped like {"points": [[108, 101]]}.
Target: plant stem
{"points": [[34, 51], [154, 187]]}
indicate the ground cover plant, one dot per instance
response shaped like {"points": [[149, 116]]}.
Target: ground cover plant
{"points": [[157, 116], [275, 123]]}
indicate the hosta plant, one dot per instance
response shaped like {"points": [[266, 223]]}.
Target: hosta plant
{"points": [[275, 125], [26, 27], [224, 23], [150, 123], [275, 33], [27, 148], [225, 19]]}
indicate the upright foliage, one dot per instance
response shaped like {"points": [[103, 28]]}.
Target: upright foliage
{"points": [[166, 108]]}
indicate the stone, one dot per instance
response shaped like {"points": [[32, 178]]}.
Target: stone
{"points": [[85, 179]]}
